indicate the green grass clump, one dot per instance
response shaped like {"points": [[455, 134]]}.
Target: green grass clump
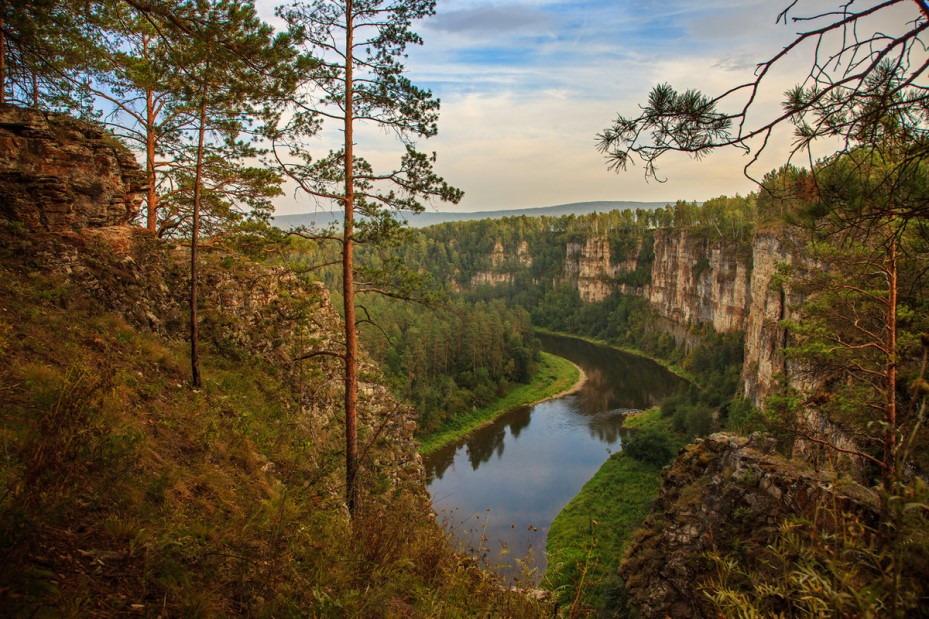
{"points": [[554, 376]]}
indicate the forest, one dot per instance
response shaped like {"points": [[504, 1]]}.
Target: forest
{"points": [[139, 476]]}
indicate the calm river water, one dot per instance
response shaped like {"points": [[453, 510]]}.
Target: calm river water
{"points": [[500, 488]]}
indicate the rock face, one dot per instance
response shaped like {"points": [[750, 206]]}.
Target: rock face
{"points": [[60, 174], [593, 269], [698, 281], [719, 493], [589, 267], [770, 303], [500, 273]]}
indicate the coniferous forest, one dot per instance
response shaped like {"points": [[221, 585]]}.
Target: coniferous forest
{"points": [[204, 414]]}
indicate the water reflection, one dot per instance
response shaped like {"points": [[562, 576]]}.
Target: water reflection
{"points": [[528, 464], [491, 443], [519, 420]]}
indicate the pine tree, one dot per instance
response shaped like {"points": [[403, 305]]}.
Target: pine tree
{"points": [[231, 67], [360, 44]]}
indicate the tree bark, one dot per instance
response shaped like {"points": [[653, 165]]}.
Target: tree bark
{"points": [[348, 285], [152, 200], [2, 65], [890, 409], [194, 234], [923, 7]]}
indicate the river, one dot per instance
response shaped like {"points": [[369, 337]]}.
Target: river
{"points": [[498, 489]]}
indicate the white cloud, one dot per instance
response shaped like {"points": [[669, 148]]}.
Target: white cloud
{"points": [[526, 86]]}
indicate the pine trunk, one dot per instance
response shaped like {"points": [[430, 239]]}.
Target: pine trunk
{"points": [[890, 386], [348, 285], [194, 235], [2, 65], [152, 200]]}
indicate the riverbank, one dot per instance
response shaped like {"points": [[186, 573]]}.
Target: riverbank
{"points": [[556, 377], [671, 367], [590, 535]]}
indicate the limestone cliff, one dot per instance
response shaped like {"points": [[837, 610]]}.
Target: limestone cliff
{"points": [[770, 302], [693, 280], [501, 263], [58, 173], [699, 281]]}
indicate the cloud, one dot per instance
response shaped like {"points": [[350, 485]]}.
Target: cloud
{"points": [[527, 84], [490, 19]]}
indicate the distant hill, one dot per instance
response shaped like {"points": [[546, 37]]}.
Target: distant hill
{"points": [[431, 218]]}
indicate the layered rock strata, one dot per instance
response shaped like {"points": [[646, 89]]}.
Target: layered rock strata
{"points": [[60, 174]]}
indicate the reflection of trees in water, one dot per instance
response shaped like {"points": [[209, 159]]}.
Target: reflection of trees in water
{"points": [[605, 428], [597, 392], [484, 443], [481, 444], [518, 420], [438, 461], [614, 379]]}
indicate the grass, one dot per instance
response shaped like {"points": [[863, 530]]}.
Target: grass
{"points": [[651, 421], [671, 367], [554, 377], [589, 536], [123, 491]]}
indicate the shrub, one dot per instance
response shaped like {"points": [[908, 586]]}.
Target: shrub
{"points": [[649, 447]]}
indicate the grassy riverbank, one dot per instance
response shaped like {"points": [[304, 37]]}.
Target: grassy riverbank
{"points": [[671, 367], [589, 536], [555, 377]]}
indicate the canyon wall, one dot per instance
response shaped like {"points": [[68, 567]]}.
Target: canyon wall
{"points": [[693, 280], [700, 281]]}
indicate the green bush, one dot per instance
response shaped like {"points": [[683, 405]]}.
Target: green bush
{"points": [[649, 447]]}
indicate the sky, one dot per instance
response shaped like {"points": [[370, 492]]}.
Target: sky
{"points": [[527, 85]]}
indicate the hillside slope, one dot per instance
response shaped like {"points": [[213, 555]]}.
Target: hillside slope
{"points": [[127, 493]]}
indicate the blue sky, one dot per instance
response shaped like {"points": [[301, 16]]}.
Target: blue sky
{"points": [[527, 84]]}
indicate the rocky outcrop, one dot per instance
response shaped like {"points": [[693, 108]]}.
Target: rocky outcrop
{"points": [[491, 278], [595, 271], [267, 311], [60, 174], [500, 273], [588, 266], [719, 493], [522, 254]]}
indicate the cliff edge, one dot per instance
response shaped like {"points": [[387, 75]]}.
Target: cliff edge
{"points": [[724, 494]]}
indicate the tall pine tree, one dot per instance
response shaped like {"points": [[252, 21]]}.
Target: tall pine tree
{"points": [[360, 80], [232, 67]]}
